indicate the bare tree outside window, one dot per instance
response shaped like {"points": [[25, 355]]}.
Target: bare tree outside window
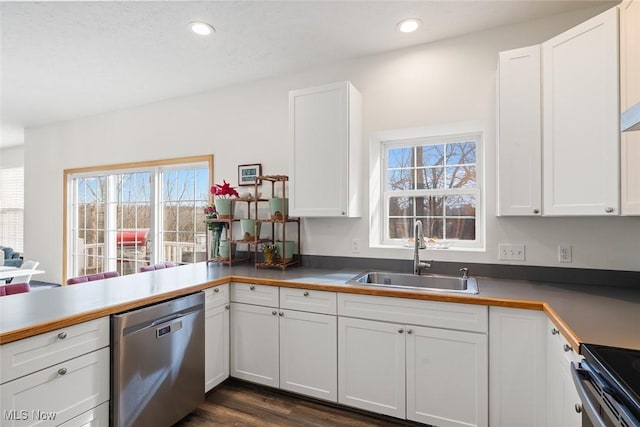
{"points": [[435, 182]]}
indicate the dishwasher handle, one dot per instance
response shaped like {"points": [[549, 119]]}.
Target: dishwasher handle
{"points": [[161, 321]]}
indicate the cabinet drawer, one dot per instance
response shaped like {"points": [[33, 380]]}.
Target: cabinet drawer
{"points": [[254, 294], [62, 391], [308, 300], [25, 356], [216, 296], [464, 317], [96, 417]]}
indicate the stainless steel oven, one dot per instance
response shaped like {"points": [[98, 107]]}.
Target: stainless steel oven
{"points": [[608, 382]]}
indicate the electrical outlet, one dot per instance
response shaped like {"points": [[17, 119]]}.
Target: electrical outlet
{"points": [[564, 253], [355, 245], [511, 251]]}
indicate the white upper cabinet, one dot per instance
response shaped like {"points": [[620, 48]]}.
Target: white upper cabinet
{"points": [[519, 132], [326, 137], [581, 155], [629, 96]]}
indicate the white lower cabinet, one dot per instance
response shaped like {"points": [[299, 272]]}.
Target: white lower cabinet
{"points": [[57, 393], [446, 377], [216, 340], [96, 417], [427, 374], [517, 367], [308, 354], [563, 402], [254, 343], [275, 345], [371, 366]]}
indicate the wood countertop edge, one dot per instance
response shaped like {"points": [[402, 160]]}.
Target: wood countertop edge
{"points": [[40, 328], [566, 331]]}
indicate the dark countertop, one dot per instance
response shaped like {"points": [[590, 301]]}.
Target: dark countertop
{"points": [[604, 315]]}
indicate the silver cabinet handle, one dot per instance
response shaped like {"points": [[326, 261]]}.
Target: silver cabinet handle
{"points": [[227, 307], [608, 210], [409, 331], [400, 330], [274, 312], [306, 294], [578, 407], [567, 347], [281, 313], [216, 290], [62, 335], [62, 371], [536, 211], [252, 288], [554, 331]]}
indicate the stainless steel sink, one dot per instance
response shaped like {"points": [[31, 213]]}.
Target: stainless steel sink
{"points": [[427, 282]]}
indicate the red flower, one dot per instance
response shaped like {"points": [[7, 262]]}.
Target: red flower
{"points": [[224, 190]]}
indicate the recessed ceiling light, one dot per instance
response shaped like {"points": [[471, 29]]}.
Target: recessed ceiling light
{"points": [[408, 25], [201, 28]]}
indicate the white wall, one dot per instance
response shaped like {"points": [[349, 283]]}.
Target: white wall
{"points": [[447, 81], [12, 157]]}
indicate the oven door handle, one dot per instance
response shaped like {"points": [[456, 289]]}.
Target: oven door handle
{"points": [[580, 375]]}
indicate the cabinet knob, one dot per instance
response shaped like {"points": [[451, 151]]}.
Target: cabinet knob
{"points": [[227, 307], [578, 407], [554, 331], [567, 348], [343, 213], [306, 294], [609, 210], [400, 330], [252, 288], [62, 371], [274, 312], [409, 331], [536, 211], [62, 335], [216, 290], [281, 313]]}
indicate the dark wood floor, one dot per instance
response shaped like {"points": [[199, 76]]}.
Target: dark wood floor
{"points": [[236, 403]]}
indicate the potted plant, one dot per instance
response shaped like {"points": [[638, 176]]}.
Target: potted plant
{"points": [[224, 203], [216, 229]]}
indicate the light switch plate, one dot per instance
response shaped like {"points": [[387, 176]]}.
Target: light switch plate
{"points": [[511, 251]]}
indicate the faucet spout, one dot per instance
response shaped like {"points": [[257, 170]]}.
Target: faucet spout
{"points": [[418, 239]]}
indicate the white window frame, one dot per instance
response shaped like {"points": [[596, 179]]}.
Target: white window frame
{"points": [[378, 201]]}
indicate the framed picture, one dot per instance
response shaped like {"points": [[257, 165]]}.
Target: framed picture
{"points": [[248, 174]]}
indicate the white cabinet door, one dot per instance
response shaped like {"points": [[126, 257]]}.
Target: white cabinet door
{"points": [[216, 346], [520, 132], [254, 344], [517, 367], [562, 396], [308, 354], [371, 366], [447, 382], [325, 135], [581, 154], [96, 417], [57, 393], [629, 96]]}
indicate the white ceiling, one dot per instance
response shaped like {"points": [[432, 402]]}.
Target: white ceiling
{"points": [[61, 60]]}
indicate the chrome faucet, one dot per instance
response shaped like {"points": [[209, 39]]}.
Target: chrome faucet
{"points": [[418, 239]]}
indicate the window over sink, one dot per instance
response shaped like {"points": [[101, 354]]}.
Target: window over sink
{"points": [[432, 174]]}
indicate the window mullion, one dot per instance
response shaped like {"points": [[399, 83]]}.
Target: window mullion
{"points": [[157, 251], [110, 249]]}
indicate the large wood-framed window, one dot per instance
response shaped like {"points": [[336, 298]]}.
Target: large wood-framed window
{"points": [[123, 216]]}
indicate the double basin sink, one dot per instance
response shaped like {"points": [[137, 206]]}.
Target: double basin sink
{"points": [[427, 282]]}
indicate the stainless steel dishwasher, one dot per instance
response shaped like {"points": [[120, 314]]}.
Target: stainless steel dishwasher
{"points": [[157, 362]]}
